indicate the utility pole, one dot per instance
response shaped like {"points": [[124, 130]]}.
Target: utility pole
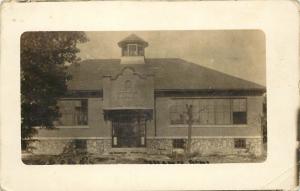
{"points": [[189, 122]]}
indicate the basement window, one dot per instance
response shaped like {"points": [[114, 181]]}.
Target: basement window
{"points": [[80, 144], [178, 143], [240, 143]]}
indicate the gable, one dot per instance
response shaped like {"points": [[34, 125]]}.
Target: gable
{"points": [[128, 89]]}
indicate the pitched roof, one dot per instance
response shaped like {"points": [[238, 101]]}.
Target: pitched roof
{"points": [[133, 39], [169, 74]]}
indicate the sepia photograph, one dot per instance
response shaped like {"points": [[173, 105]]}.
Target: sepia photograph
{"points": [[143, 97], [127, 95]]}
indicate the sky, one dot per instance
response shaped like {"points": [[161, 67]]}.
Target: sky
{"points": [[240, 53]]}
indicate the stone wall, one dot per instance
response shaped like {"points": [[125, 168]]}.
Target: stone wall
{"points": [[202, 146], [57, 146], [159, 146], [49, 147], [208, 146], [101, 146], [255, 146]]}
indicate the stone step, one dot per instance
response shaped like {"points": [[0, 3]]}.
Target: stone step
{"points": [[124, 151]]}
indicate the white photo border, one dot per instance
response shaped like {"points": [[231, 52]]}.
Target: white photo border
{"points": [[279, 20]]}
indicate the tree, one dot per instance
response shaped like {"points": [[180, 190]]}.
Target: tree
{"points": [[44, 76]]}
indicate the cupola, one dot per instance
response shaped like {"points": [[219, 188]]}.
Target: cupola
{"points": [[133, 50]]}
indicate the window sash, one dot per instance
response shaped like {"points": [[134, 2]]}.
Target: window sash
{"points": [[239, 105], [239, 117]]}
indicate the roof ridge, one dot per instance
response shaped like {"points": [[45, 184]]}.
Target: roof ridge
{"points": [[132, 38]]}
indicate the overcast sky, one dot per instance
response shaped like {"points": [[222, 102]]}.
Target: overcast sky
{"points": [[240, 53]]}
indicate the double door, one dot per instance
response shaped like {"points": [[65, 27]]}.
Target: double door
{"points": [[128, 131]]}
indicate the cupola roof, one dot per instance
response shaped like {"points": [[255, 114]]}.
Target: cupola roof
{"points": [[133, 39]]}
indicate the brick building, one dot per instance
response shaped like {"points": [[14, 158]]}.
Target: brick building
{"points": [[140, 103]]}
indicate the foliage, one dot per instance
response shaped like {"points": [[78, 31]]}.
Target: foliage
{"points": [[43, 76]]}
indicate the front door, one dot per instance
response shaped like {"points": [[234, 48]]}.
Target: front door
{"points": [[128, 131]]}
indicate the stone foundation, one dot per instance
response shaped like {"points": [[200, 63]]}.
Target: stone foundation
{"points": [[202, 146], [159, 146], [48, 147], [255, 146], [101, 146], [207, 146], [57, 146]]}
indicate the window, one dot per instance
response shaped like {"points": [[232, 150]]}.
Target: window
{"points": [[73, 112], [240, 143], [132, 50], [239, 113], [80, 144], [125, 51], [209, 111], [206, 111], [178, 113], [222, 111], [178, 143], [140, 50], [239, 117]]}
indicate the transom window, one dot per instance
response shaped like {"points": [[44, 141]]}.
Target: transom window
{"points": [[209, 111], [73, 112]]}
